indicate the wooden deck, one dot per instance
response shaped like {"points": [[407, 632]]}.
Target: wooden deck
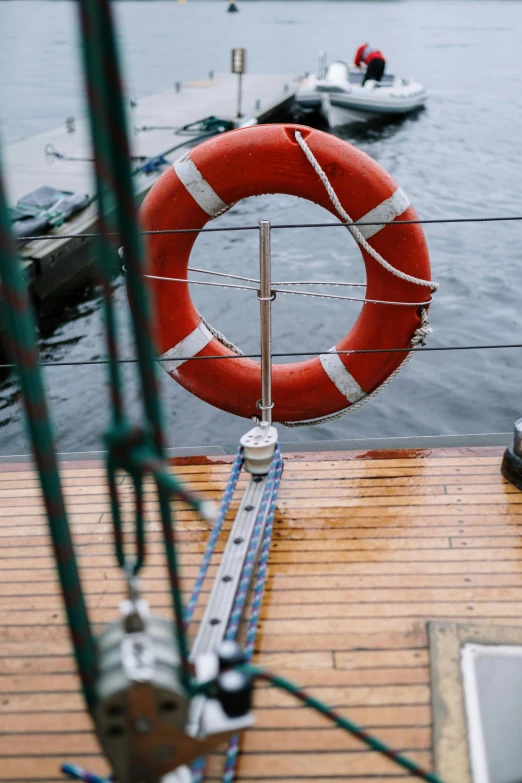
{"points": [[367, 549]]}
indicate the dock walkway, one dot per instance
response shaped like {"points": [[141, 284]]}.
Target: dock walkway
{"points": [[368, 548], [50, 263]]}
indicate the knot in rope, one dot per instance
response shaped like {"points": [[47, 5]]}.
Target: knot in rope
{"points": [[419, 337], [122, 441]]}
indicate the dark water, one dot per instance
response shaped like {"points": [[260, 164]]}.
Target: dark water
{"points": [[460, 157]]}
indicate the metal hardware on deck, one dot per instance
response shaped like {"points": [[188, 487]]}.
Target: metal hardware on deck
{"points": [[512, 461], [218, 611], [239, 67], [139, 691], [230, 654], [258, 448], [143, 709], [244, 542], [213, 626], [259, 443], [235, 693]]}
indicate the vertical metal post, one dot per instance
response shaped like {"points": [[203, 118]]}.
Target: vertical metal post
{"points": [[239, 67], [239, 94], [265, 307]]}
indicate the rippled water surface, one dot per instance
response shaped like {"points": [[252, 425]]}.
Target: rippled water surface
{"points": [[459, 157]]}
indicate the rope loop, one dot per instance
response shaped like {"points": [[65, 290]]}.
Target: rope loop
{"points": [[354, 231], [131, 451]]}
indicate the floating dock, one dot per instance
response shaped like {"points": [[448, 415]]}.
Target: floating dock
{"points": [[51, 263], [369, 548]]}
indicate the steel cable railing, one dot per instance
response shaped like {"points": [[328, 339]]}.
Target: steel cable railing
{"points": [[287, 354], [278, 226], [233, 286]]}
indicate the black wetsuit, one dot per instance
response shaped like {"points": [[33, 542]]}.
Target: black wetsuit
{"points": [[375, 69]]}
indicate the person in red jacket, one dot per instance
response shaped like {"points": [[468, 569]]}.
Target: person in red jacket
{"points": [[373, 60]]}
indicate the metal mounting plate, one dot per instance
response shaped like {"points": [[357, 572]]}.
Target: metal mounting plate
{"points": [[213, 626]]}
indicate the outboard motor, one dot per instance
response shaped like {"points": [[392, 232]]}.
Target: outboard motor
{"points": [[338, 72]]}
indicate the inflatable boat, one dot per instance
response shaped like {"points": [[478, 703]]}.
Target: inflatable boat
{"points": [[339, 95]]}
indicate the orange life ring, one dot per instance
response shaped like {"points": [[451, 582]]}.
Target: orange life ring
{"points": [[267, 159]]}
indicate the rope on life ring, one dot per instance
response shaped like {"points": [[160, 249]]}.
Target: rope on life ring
{"points": [[253, 161]]}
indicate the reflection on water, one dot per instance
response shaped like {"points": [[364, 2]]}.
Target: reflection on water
{"points": [[456, 158], [379, 129]]}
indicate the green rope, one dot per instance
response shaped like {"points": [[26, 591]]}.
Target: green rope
{"points": [[22, 346], [135, 451], [256, 673]]}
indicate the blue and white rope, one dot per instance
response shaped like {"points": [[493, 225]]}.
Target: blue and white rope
{"points": [[215, 533], [229, 772], [251, 556], [197, 767], [262, 569]]}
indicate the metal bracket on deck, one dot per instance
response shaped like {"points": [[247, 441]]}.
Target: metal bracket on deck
{"points": [[213, 626]]}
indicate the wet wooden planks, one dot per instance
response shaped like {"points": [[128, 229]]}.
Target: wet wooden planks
{"points": [[366, 551]]}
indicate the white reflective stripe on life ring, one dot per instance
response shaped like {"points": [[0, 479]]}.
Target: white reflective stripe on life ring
{"points": [[202, 193], [387, 211], [190, 346], [340, 377]]}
